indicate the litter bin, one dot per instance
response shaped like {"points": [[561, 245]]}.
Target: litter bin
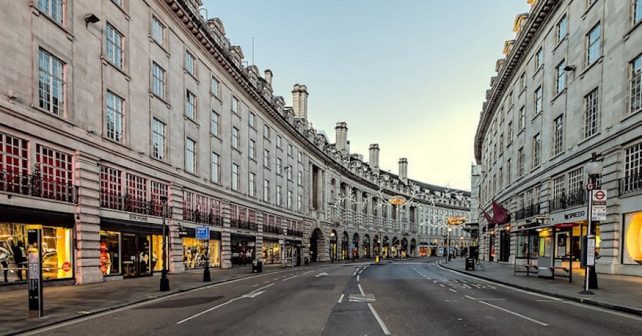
{"points": [[470, 264], [257, 266], [377, 259]]}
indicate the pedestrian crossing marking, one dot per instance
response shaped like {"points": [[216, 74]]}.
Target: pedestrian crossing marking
{"points": [[362, 298]]}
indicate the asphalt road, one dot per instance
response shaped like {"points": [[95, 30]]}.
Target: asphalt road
{"points": [[400, 298]]}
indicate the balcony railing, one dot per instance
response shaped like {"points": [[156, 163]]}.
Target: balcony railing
{"points": [[36, 185], [243, 224], [630, 184], [202, 217], [131, 204], [528, 211], [577, 197]]}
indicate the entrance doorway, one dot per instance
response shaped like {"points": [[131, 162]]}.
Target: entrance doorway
{"points": [[316, 241], [504, 245], [136, 250]]}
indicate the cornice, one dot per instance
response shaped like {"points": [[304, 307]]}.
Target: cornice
{"points": [[533, 26]]}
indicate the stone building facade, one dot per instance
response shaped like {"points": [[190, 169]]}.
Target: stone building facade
{"points": [[118, 116], [569, 87]]}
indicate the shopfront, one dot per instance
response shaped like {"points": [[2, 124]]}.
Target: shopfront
{"points": [[243, 249], [130, 249], [292, 253], [57, 237], [195, 251], [632, 239], [271, 251]]}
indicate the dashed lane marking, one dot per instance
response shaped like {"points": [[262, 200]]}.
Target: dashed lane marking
{"points": [[292, 277], [360, 289], [452, 290], [341, 298], [358, 278]]}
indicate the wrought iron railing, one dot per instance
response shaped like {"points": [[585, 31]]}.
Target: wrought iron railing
{"points": [[131, 203], [36, 185], [630, 183], [577, 197], [528, 211], [243, 224]]}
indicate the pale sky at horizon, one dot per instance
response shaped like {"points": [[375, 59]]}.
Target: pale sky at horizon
{"points": [[409, 75]]}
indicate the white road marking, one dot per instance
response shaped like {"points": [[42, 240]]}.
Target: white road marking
{"points": [[466, 286], [545, 300], [252, 295], [488, 299], [321, 274], [452, 290], [358, 278], [441, 285], [514, 313], [341, 298], [381, 324], [208, 310], [355, 273], [361, 289], [307, 272], [264, 287], [292, 277], [266, 281]]}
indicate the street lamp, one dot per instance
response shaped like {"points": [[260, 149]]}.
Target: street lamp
{"points": [[448, 246], [593, 170], [164, 281], [461, 245]]}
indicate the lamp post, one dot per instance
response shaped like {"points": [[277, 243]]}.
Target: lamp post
{"points": [[593, 170], [461, 244], [164, 281], [448, 246]]}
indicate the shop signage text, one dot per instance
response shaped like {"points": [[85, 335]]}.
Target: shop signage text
{"points": [[203, 232], [138, 218], [575, 214]]}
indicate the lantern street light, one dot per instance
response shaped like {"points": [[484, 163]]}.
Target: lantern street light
{"points": [[164, 281], [593, 170]]}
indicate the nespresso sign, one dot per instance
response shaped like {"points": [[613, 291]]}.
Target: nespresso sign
{"points": [[575, 214]]}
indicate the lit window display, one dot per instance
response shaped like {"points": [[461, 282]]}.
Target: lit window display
{"points": [[195, 253], [56, 252], [633, 238], [110, 252], [271, 252]]}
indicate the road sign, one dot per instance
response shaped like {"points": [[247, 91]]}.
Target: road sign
{"points": [[590, 251], [203, 232], [589, 186], [598, 198]]}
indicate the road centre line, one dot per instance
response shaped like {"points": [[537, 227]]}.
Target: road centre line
{"points": [[514, 313], [485, 299], [209, 310], [341, 298], [292, 277], [381, 324], [264, 287]]}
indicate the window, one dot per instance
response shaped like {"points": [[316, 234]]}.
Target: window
{"points": [[114, 117], [559, 187], [215, 172], [593, 45], [299, 202], [235, 177], [636, 84], [137, 192], [158, 80], [52, 8], [110, 187], [251, 120], [51, 85], [266, 190], [251, 153], [190, 155], [252, 185], [537, 150], [522, 118], [575, 184], [266, 158], [539, 59], [279, 141], [55, 173], [289, 200], [560, 75], [520, 162], [299, 178], [266, 131], [279, 166], [214, 124], [522, 82], [190, 63], [158, 31], [235, 138], [591, 114], [558, 135], [235, 105], [633, 167], [14, 160], [300, 157], [290, 150], [214, 86], [158, 139], [288, 172], [114, 46], [538, 100], [637, 11], [509, 135], [508, 171], [562, 28], [190, 105], [278, 196]]}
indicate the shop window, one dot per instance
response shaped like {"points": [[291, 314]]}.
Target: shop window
{"points": [[195, 253], [56, 252], [632, 238], [109, 252]]}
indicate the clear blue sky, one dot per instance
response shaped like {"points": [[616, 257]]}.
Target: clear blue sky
{"points": [[410, 75]]}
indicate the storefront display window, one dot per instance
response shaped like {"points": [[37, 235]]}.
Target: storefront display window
{"points": [[271, 252], [633, 238], [56, 252], [195, 253], [109, 252], [545, 243]]}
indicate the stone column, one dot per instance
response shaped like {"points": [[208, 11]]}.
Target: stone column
{"points": [[174, 216], [226, 238], [87, 224], [260, 221]]}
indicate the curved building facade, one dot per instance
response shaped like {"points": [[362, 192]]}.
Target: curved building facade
{"points": [[567, 93], [136, 114]]}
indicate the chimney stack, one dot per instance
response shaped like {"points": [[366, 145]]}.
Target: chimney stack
{"points": [[268, 76], [403, 170], [373, 159], [300, 101], [341, 137]]}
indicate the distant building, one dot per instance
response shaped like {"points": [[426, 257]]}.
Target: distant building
{"points": [[570, 86]]}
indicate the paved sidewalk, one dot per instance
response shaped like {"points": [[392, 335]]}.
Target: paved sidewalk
{"points": [[62, 303], [618, 292]]}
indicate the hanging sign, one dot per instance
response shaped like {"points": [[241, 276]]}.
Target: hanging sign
{"points": [[599, 198], [203, 232]]}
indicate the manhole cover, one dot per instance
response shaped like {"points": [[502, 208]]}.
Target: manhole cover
{"points": [[179, 303]]}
